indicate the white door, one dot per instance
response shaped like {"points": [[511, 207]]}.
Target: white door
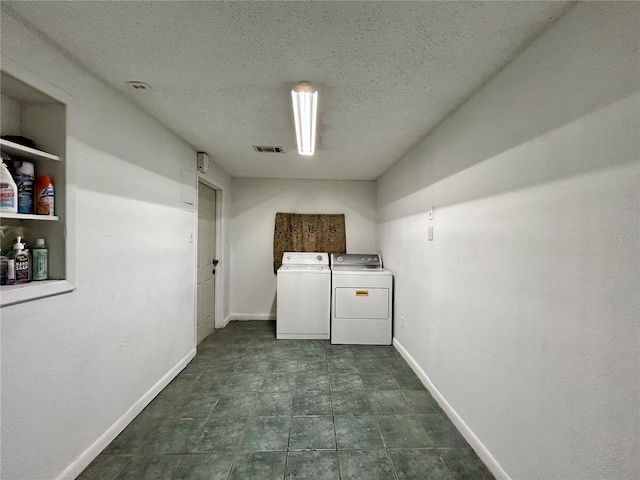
{"points": [[206, 263]]}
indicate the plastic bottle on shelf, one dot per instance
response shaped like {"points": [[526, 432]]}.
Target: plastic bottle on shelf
{"points": [[44, 195], [40, 260], [8, 191], [11, 268], [19, 264], [25, 176], [4, 269], [27, 266], [4, 261]]}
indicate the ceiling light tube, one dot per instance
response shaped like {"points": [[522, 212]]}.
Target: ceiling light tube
{"points": [[305, 109]]}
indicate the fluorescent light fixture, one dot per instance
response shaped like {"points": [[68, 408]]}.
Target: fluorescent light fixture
{"points": [[305, 109]]}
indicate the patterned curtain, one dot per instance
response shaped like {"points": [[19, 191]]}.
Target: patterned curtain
{"points": [[301, 232]]}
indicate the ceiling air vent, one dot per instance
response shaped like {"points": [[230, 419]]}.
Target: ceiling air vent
{"points": [[138, 85], [267, 149]]}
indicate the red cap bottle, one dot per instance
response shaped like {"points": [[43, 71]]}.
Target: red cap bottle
{"points": [[44, 195]]}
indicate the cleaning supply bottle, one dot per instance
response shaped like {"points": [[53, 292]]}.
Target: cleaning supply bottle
{"points": [[25, 176], [11, 267], [8, 192], [44, 195], [22, 262], [4, 269], [40, 260], [29, 276], [18, 264], [4, 261]]}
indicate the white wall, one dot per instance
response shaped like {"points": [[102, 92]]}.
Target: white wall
{"points": [[11, 116], [253, 210], [523, 311], [74, 365]]}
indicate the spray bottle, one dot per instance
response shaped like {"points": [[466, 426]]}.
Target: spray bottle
{"points": [[8, 190], [25, 177]]}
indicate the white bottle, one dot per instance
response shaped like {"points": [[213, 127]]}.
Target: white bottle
{"points": [[11, 264], [8, 192]]}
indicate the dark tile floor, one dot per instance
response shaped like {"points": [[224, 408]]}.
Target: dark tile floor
{"points": [[253, 407]]}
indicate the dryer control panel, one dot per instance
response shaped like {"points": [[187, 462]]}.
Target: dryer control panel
{"points": [[372, 260]]}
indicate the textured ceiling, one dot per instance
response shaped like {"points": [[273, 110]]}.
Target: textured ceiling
{"points": [[221, 72]]}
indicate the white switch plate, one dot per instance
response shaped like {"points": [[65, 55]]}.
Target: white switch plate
{"points": [[431, 212], [431, 234], [401, 321]]}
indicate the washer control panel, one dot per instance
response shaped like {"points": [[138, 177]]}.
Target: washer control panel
{"points": [[305, 258]]}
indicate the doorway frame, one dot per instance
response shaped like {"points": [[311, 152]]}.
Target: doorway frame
{"points": [[218, 317]]}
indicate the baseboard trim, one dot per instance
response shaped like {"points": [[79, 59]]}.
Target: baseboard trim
{"points": [[79, 464], [252, 316], [482, 451]]}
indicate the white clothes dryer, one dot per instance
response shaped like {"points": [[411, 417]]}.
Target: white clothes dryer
{"points": [[303, 304], [361, 306]]}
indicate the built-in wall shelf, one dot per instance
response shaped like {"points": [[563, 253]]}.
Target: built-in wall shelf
{"points": [[30, 216], [34, 109], [26, 292], [28, 153]]}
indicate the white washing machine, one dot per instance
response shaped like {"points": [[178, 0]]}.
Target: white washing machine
{"points": [[304, 296], [361, 306]]}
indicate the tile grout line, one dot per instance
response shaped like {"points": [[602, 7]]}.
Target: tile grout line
{"points": [[259, 351], [386, 449]]}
